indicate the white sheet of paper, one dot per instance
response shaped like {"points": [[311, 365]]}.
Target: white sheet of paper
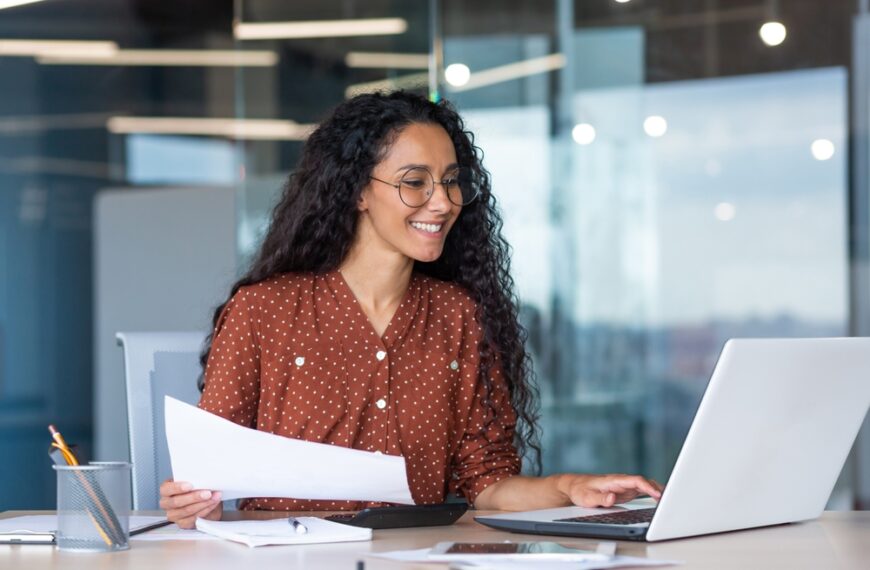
{"points": [[493, 563], [213, 453]]}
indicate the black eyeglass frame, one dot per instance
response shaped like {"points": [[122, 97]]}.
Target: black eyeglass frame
{"points": [[431, 189]]}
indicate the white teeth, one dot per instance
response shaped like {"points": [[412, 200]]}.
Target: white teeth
{"points": [[431, 228]]}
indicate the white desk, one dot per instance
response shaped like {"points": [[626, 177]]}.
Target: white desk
{"points": [[835, 541]]}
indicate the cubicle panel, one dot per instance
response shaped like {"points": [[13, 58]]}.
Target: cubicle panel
{"points": [[163, 260]]}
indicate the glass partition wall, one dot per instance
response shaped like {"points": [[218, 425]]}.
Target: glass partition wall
{"points": [[671, 174]]}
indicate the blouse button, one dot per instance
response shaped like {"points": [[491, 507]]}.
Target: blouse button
{"points": [[300, 360], [454, 365], [381, 355], [381, 404]]}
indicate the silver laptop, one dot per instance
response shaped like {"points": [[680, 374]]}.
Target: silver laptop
{"points": [[767, 443]]}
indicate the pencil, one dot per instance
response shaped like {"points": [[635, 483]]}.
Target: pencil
{"points": [[98, 507]]}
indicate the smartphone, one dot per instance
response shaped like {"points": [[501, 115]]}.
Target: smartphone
{"points": [[523, 550]]}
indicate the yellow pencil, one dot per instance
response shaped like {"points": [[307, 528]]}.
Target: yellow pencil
{"points": [[61, 444], [71, 459]]}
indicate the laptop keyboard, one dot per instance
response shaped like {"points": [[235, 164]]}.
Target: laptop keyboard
{"points": [[623, 517]]}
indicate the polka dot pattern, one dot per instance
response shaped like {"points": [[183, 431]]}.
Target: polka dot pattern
{"points": [[295, 355]]}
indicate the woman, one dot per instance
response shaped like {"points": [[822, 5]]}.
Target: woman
{"points": [[379, 315]]}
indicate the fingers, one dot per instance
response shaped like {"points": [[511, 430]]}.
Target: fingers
{"points": [[212, 511], [184, 499], [630, 486], [591, 498], [183, 505], [169, 488], [608, 490]]}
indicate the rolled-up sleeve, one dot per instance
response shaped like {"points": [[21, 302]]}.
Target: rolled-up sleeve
{"points": [[232, 373], [486, 453]]}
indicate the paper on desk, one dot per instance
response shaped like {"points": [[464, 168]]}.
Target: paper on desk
{"points": [[615, 562], [213, 453], [483, 562]]}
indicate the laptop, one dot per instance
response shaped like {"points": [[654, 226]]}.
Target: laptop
{"points": [[767, 443]]}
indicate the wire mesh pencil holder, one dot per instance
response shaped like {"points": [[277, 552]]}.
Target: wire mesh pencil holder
{"points": [[93, 507]]}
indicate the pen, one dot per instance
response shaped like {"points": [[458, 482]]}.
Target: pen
{"points": [[297, 526], [146, 528]]}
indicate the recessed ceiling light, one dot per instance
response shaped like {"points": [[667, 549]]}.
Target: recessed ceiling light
{"points": [[772, 33]]}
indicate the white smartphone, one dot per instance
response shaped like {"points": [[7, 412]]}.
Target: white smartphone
{"points": [[524, 550]]}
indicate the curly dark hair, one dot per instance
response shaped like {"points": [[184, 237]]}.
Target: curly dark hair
{"points": [[314, 224]]}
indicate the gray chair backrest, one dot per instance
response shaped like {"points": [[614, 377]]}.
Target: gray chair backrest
{"points": [[156, 364]]}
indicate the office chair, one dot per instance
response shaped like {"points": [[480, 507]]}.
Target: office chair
{"points": [[155, 364]]}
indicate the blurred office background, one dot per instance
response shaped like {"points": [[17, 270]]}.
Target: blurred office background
{"points": [[672, 173]]}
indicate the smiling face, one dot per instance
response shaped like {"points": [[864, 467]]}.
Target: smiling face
{"points": [[418, 233]]}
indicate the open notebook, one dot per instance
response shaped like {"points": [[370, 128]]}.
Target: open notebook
{"points": [[280, 531]]}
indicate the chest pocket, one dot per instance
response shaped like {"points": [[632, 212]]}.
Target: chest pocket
{"points": [[312, 384]]}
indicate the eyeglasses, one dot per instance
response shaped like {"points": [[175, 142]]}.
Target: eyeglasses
{"points": [[417, 186]]}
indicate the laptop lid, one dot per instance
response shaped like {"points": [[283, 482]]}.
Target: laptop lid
{"points": [[770, 436], [766, 445]]}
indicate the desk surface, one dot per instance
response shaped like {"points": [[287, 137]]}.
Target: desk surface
{"points": [[838, 540]]}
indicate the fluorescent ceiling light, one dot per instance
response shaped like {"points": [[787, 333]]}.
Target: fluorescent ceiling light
{"points": [[37, 48], [319, 29], [13, 3], [153, 57], [250, 129], [379, 60], [410, 81], [512, 71]]}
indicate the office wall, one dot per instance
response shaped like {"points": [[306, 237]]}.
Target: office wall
{"points": [[163, 259]]}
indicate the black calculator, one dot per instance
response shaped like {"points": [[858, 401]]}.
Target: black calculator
{"points": [[403, 516]]}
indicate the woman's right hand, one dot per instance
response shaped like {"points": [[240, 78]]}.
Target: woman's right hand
{"points": [[183, 504]]}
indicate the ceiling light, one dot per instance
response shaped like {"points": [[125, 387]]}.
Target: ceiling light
{"points": [[204, 58], [655, 126], [512, 71], [13, 3], [251, 129], [583, 133], [822, 149], [725, 211], [772, 33], [379, 60], [36, 48], [319, 29], [457, 74]]}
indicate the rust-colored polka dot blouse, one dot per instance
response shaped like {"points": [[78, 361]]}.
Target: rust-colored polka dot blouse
{"points": [[296, 355]]}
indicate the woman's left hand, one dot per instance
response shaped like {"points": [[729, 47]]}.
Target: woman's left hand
{"points": [[607, 490]]}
